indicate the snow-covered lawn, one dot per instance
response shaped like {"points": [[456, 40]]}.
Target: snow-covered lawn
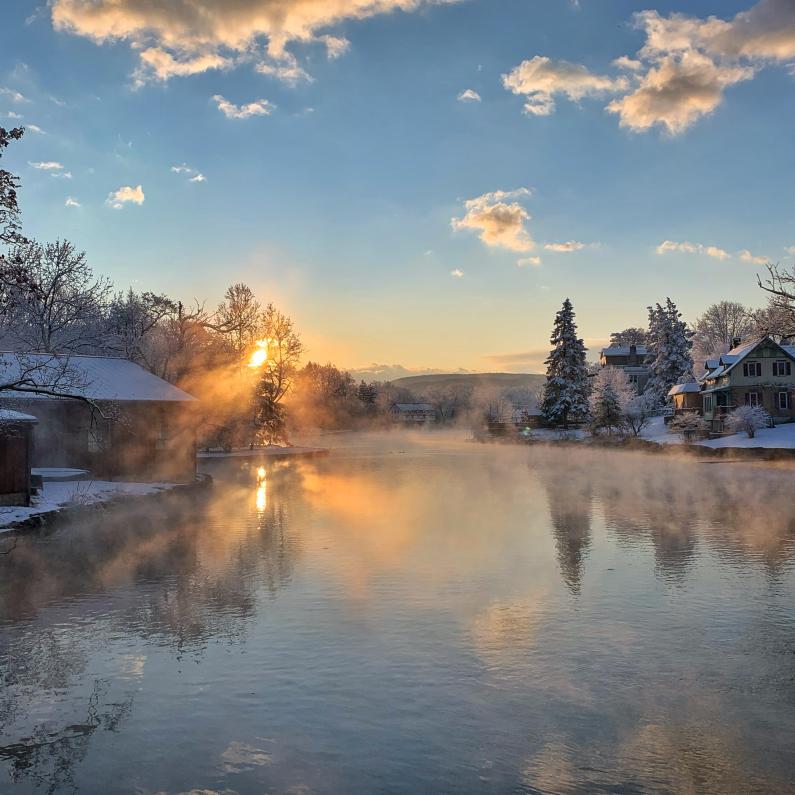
{"points": [[57, 495], [782, 437]]}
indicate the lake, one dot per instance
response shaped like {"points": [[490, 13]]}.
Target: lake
{"points": [[412, 614]]}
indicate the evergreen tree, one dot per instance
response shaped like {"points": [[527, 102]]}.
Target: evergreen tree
{"points": [[610, 397], [669, 343], [269, 414], [567, 388]]}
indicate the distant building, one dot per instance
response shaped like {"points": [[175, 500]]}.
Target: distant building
{"points": [[147, 431], [16, 451], [758, 372], [412, 413], [629, 358]]}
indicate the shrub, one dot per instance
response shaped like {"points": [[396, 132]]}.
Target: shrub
{"points": [[691, 426], [748, 419]]}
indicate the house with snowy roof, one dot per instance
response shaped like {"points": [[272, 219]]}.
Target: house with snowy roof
{"points": [[629, 358], [756, 372], [107, 415]]}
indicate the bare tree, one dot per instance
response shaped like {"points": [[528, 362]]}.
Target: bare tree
{"points": [[65, 312], [239, 318], [778, 318], [719, 326], [132, 319]]}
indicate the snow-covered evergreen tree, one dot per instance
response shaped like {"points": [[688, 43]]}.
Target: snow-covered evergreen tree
{"points": [[669, 344], [611, 395], [567, 386]]}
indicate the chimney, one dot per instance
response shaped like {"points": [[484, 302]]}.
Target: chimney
{"points": [[633, 350], [736, 342]]}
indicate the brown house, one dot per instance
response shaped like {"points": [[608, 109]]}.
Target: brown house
{"points": [[629, 358], [123, 421], [16, 450]]}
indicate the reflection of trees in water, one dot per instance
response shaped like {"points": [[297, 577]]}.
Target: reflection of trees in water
{"points": [[175, 572], [569, 501], [50, 757]]}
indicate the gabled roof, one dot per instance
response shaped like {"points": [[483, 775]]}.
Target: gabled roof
{"points": [[92, 377], [680, 389], [9, 417], [731, 359], [623, 350]]}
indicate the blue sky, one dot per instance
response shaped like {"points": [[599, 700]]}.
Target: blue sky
{"points": [[333, 196]]}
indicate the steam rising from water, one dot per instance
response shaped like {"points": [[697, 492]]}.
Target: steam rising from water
{"points": [[475, 617]]}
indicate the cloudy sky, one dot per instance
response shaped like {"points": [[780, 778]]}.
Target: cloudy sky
{"points": [[418, 182]]}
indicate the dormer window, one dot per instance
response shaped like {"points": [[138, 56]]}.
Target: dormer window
{"points": [[752, 369], [782, 367]]}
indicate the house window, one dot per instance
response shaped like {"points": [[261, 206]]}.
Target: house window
{"points": [[161, 441], [752, 399], [752, 369], [96, 439], [633, 379], [708, 403], [782, 368], [782, 400]]}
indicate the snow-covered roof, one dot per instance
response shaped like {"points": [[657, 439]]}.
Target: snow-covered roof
{"points": [[624, 350], [413, 407], [681, 389], [97, 378], [711, 364], [15, 417], [737, 354]]}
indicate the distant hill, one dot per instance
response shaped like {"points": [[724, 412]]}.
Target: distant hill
{"points": [[420, 383]]}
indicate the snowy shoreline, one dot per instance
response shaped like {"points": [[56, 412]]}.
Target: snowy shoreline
{"points": [[59, 499]]}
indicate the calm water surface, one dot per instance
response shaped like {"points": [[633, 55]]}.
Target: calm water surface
{"points": [[412, 615]]}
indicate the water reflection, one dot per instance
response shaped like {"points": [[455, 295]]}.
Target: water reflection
{"points": [[415, 615]]}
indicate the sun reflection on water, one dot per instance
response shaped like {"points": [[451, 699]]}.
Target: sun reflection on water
{"points": [[262, 490]]}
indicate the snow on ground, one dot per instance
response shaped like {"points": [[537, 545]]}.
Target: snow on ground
{"points": [[657, 431], [57, 495], [782, 437]]}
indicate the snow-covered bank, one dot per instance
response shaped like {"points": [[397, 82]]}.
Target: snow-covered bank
{"points": [[58, 495]]}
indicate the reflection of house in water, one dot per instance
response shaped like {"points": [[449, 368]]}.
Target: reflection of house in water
{"points": [[570, 512], [145, 432]]}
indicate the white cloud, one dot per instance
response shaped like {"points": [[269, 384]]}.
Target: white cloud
{"points": [[285, 68], [191, 36], [565, 248], [34, 128], [540, 79], [680, 73], [61, 174], [469, 95], [259, 107], [677, 91], [192, 174], [500, 222], [12, 115], [746, 256], [669, 246], [790, 249], [46, 165], [525, 261], [13, 95], [71, 202], [336, 46], [457, 273], [125, 195]]}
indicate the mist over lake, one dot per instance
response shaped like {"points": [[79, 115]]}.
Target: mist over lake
{"points": [[413, 613]]}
